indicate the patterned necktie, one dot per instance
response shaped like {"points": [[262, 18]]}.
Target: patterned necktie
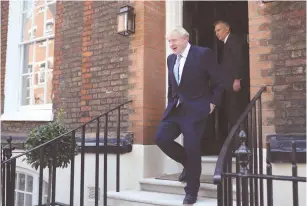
{"points": [[176, 69]]}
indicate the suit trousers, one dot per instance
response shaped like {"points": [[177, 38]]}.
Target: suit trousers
{"points": [[233, 105], [190, 155]]}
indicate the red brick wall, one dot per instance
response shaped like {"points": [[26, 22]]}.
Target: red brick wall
{"points": [[278, 59], [4, 24], [147, 73], [91, 62]]}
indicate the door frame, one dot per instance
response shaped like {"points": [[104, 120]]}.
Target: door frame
{"points": [[174, 17]]}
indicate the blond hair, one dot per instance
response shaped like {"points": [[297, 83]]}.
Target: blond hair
{"points": [[180, 31]]}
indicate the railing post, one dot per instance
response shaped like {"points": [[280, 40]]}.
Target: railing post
{"points": [[10, 171], [259, 103], [82, 167], [117, 155], [72, 169], [97, 193], [13, 177], [269, 172], [53, 191], [243, 154], [41, 175], [220, 194], [105, 161], [294, 174], [3, 173]]}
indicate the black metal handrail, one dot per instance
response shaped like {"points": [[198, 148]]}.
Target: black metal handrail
{"points": [[249, 174], [63, 135], [227, 148], [8, 163]]}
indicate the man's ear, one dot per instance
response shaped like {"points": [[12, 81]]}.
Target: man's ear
{"points": [[228, 30]]}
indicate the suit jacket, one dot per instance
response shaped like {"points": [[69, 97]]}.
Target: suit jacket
{"points": [[232, 60], [193, 90]]}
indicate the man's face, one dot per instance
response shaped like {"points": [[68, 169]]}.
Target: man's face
{"points": [[221, 31], [177, 43]]}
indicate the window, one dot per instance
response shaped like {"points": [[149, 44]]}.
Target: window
{"points": [[38, 18], [31, 37], [24, 190], [24, 195]]}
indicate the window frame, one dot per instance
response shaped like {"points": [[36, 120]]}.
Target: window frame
{"points": [[13, 108], [35, 190], [25, 192]]}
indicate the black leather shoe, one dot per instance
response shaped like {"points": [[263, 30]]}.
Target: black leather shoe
{"points": [[189, 199], [183, 176]]}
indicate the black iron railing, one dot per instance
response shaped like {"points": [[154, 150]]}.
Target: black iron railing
{"points": [[8, 163], [249, 176]]}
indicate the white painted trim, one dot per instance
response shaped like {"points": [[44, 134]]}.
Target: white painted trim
{"points": [[174, 17], [13, 111], [30, 115]]}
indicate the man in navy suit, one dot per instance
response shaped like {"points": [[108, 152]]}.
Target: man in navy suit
{"points": [[190, 101]]}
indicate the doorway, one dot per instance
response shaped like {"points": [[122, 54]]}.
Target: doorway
{"points": [[198, 20]]}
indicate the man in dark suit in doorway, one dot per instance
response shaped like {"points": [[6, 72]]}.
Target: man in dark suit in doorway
{"points": [[190, 101], [234, 69]]}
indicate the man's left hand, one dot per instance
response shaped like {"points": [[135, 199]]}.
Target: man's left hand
{"points": [[236, 85], [212, 106]]}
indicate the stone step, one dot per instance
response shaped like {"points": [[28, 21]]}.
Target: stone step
{"points": [[209, 162], [144, 198], [176, 187]]}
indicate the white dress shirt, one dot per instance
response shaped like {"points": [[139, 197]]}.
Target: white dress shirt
{"points": [[184, 56], [225, 40]]}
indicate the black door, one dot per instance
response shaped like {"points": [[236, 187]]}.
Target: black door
{"points": [[198, 20]]}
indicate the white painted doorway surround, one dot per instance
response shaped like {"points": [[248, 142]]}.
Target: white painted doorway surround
{"points": [[174, 17]]}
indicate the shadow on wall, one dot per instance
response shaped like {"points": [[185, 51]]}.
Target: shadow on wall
{"points": [[287, 54]]}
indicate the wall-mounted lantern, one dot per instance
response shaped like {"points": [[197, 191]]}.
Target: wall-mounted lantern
{"points": [[126, 21]]}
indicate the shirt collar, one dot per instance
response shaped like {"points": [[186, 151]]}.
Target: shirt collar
{"points": [[225, 40], [186, 51]]}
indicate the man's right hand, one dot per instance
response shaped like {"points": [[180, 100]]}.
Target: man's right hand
{"points": [[236, 85], [212, 106]]}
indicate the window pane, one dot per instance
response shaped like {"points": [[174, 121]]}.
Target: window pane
{"points": [[39, 95], [27, 4], [26, 89], [39, 13], [29, 183], [40, 52], [20, 199], [16, 182], [28, 30], [28, 200], [27, 58], [51, 8], [50, 53], [22, 182], [38, 3]]}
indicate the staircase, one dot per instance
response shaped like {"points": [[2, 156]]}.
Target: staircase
{"points": [[154, 191]]}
